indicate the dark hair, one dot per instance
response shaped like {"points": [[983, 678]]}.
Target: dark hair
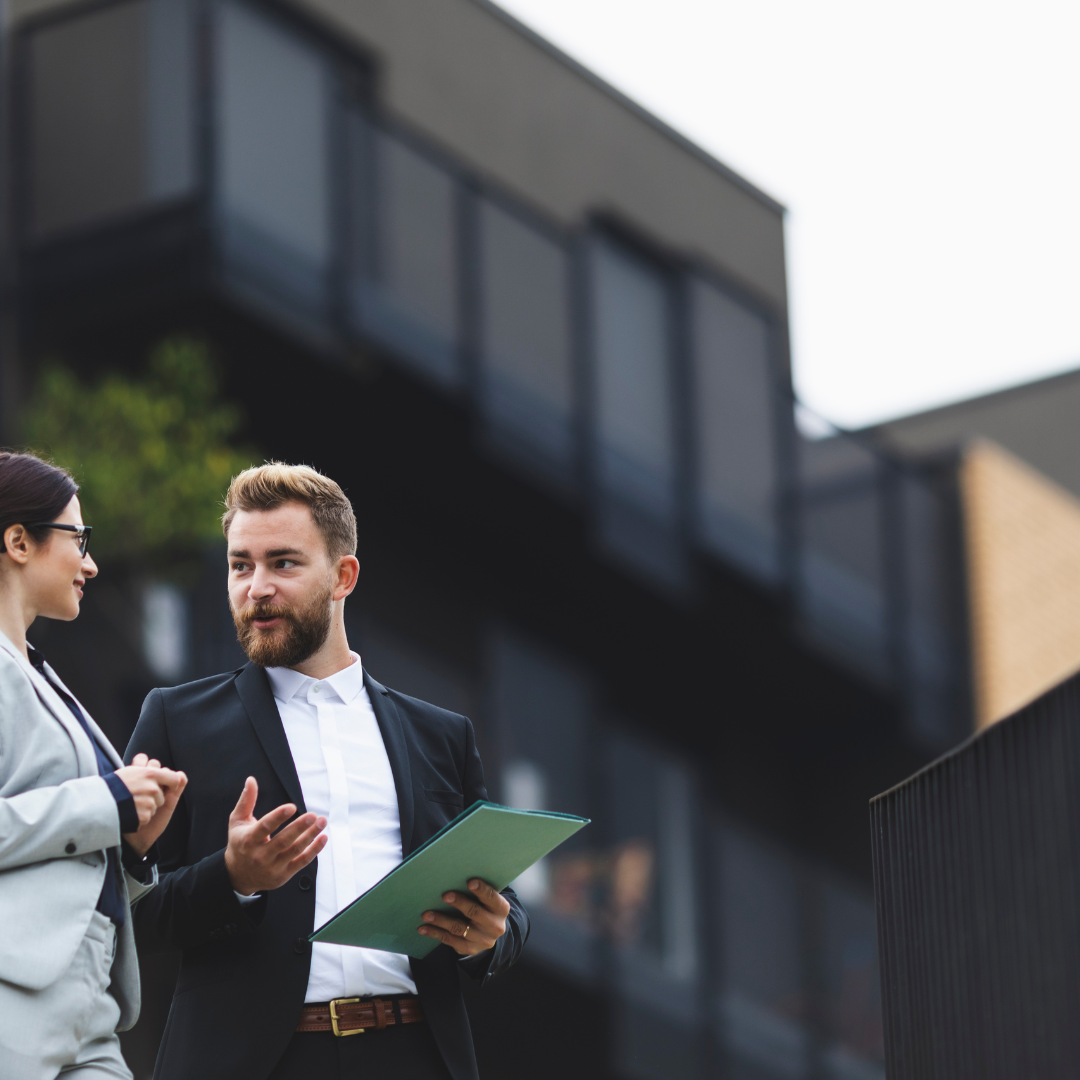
{"points": [[31, 490]]}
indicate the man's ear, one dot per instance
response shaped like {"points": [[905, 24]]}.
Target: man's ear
{"points": [[18, 543], [348, 572]]}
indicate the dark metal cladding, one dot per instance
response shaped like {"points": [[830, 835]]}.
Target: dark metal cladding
{"points": [[977, 881]]}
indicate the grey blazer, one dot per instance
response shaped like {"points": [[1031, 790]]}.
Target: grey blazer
{"points": [[57, 815]]}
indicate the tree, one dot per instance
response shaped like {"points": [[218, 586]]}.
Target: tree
{"points": [[152, 455]]}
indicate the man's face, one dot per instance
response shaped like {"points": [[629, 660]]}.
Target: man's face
{"points": [[281, 584]]}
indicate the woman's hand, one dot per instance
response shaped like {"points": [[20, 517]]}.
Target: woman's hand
{"points": [[481, 923], [156, 792]]}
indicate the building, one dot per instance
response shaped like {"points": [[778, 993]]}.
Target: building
{"points": [[541, 339], [1018, 482]]}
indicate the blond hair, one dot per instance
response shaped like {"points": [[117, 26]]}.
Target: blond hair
{"points": [[265, 487]]}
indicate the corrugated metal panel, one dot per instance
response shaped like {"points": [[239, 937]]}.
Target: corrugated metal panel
{"points": [[977, 880]]}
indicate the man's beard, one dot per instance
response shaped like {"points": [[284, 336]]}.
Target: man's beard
{"points": [[299, 635]]}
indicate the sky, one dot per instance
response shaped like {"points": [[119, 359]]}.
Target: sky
{"points": [[929, 157]]}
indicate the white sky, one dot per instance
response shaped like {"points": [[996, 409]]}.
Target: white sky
{"points": [[928, 153]]}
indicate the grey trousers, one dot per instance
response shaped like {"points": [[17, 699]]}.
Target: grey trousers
{"points": [[68, 1029]]}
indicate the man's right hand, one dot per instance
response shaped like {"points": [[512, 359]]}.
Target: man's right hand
{"points": [[258, 860]]}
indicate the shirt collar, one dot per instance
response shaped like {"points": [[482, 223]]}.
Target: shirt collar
{"points": [[36, 658], [287, 683]]}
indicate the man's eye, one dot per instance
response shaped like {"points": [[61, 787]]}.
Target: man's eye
{"points": [[284, 564], [239, 566]]}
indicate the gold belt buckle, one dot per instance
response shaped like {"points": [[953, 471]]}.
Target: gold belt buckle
{"points": [[334, 1018]]}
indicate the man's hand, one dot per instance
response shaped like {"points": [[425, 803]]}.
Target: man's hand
{"points": [[255, 858], [481, 923], [143, 777]]}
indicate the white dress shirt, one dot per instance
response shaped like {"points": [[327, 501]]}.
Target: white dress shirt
{"points": [[345, 776]]}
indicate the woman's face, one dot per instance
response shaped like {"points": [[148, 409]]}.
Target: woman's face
{"points": [[56, 573]]}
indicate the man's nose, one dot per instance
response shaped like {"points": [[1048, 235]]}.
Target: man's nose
{"points": [[261, 586]]}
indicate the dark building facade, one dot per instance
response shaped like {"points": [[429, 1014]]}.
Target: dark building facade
{"points": [[541, 340]]}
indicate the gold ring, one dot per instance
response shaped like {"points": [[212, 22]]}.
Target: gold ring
{"points": [[465, 933]]}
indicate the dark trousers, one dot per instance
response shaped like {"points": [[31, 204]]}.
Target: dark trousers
{"points": [[396, 1053]]}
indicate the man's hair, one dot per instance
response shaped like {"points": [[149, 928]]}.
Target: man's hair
{"points": [[265, 487]]}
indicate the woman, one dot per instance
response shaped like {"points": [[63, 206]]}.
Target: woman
{"points": [[76, 826]]}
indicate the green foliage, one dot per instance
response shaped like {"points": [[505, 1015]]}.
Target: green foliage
{"points": [[152, 456]]}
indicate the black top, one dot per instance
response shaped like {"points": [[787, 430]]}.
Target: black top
{"points": [[111, 902], [244, 974]]}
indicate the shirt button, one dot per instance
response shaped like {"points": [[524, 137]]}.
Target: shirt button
{"points": [[69, 847], [318, 688]]}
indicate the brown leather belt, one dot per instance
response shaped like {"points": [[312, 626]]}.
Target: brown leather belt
{"points": [[354, 1016]]}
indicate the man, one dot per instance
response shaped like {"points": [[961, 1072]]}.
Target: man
{"points": [[338, 778]]}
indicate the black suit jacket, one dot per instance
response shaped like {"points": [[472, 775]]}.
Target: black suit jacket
{"points": [[245, 967]]}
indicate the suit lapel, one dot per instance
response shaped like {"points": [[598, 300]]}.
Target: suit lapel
{"points": [[397, 750], [254, 689], [53, 703]]}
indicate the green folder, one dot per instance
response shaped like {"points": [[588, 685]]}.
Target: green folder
{"points": [[487, 841]]}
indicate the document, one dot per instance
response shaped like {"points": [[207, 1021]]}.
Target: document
{"points": [[487, 841]]}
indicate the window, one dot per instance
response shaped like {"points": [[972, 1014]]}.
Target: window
{"points": [[650, 900], [542, 708], [273, 164], [760, 956], [734, 405], [787, 931], [842, 595], [649, 910], [856, 1044], [111, 113], [404, 274], [634, 410], [527, 381], [933, 654], [634, 429]]}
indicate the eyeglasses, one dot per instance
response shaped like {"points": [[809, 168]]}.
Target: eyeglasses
{"points": [[81, 531]]}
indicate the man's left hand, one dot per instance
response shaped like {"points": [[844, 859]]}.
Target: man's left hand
{"points": [[481, 923]]}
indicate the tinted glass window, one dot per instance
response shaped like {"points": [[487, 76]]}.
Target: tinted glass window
{"points": [[110, 113], [735, 438], [542, 709], [525, 333], [760, 955], [842, 586], [272, 98], [632, 901], [852, 984], [404, 211], [633, 379], [933, 653], [649, 909], [650, 879], [171, 168]]}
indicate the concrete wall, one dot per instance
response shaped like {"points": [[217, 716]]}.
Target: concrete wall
{"points": [[525, 116], [1022, 534]]}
